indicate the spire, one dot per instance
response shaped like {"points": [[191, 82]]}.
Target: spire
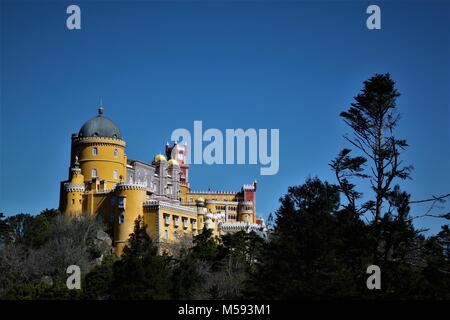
{"points": [[100, 108]]}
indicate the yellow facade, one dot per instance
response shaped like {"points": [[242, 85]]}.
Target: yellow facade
{"points": [[102, 181], [129, 208], [101, 157]]}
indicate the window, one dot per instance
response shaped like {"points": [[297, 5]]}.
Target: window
{"points": [[122, 202], [94, 173], [167, 219], [115, 174], [116, 152], [176, 221], [121, 219], [94, 151], [166, 235]]}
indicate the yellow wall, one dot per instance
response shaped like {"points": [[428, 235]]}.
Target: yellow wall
{"points": [[191, 197], [105, 161], [134, 200], [166, 234], [151, 220], [167, 230], [74, 203]]}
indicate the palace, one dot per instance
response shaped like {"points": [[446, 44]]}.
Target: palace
{"points": [[103, 181]]}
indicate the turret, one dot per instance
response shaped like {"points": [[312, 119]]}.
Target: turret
{"points": [[74, 190], [180, 154], [174, 172], [160, 162], [130, 200], [201, 210]]}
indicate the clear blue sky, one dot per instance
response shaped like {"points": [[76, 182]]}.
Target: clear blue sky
{"points": [[161, 65]]}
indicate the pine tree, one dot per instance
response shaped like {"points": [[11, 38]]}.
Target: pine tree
{"points": [[304, 257], [373, 118], [141, 273]]}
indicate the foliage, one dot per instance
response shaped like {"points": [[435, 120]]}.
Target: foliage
{"points": [[322, 240], [42, 291], [42, 247], [141, 273], [97, 283]]}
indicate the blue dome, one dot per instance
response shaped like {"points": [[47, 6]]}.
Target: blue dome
{"points": [[100, 126]]}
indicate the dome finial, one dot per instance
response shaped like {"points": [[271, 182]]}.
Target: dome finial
{"points": [[100, 108]]}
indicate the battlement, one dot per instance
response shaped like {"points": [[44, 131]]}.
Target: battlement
{"points": [[98, 140], [213, 192], [74, 187], [131, 186]]}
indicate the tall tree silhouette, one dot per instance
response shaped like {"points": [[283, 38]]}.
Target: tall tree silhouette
{"points": [[373, 118]]}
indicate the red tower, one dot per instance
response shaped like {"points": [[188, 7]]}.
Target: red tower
{"points": [[179, 153]]}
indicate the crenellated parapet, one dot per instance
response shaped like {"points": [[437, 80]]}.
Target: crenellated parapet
{"points": [[98, 141], [156, 204], [221, 202], [131, 186], [250, 187], [215, 216], [74, 187], [240, 226], [213, 192]]}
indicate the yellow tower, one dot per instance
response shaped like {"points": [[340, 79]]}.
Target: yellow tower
{"points": [[101, 151], [131, 198], [74, 191]]}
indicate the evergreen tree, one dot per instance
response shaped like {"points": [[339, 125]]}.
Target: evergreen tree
{"points": [[141, 273], [205, 246], [436, 270], [186, 277], [373, 118], [302, 258], [97, 283]]}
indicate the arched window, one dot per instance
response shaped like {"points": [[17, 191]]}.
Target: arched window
{"points": [[116, 152], [94, 151], [94, 173]]}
